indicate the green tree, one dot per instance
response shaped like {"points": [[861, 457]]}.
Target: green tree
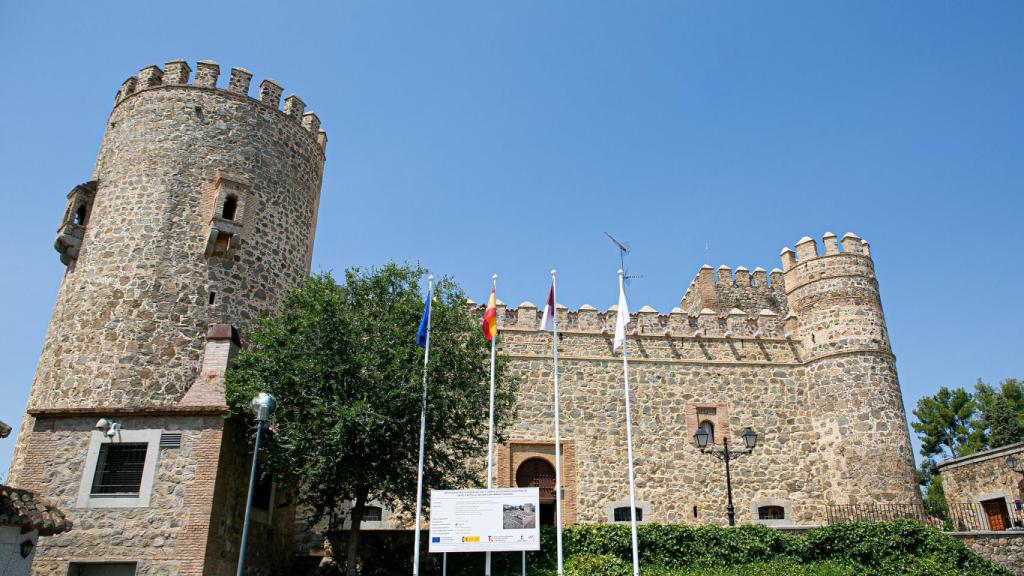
{"points": [[945, 424], [1001, 412], [344, 366], [932, 493]]}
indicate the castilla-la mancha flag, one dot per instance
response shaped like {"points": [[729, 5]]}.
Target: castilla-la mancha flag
{"points": [[490, 324], [547, 322]]}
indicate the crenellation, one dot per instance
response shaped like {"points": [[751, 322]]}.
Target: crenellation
{"points": [[736, 324], [788, 258], [207, 73], [177, 72], [239, 80], [759, 278], [852, 243], [806, 248], [831, 243], [777, 278], [129, 86], [724, 275], [321, 139], [270, 93], [311, 122], [294, 107], [150, 76], [742, 277]]}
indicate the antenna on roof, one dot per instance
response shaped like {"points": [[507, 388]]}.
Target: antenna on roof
{"points": [[623, 252]]}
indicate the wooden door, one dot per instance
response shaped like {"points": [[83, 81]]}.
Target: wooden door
{"points": [[995, 511], [539, 473]]}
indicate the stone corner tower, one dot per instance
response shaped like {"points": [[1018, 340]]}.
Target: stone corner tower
{"points": [[199, 216], [853, 390]]}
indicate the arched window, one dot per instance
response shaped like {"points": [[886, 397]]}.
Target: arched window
{"points": [[709, 428], [80, 215], [230, 206], [771, 513], [622, 514], [372, 514]]}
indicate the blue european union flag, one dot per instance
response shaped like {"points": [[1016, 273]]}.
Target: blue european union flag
{"points": [[421, 334], [436, 539]]}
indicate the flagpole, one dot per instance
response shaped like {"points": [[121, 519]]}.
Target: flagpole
{"points": [[423, 433], [558, 439], [490, 424], [629, 447]]}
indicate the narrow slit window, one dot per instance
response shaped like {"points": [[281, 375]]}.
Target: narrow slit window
{"points": [[230, 206], [80, 215]]}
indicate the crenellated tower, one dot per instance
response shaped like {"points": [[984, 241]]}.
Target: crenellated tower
{"points": [[199, 217], [853, 390]]}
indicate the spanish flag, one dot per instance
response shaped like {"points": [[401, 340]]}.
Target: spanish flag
{"points": [[490, 323]]}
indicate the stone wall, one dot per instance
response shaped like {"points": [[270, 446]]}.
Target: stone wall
{"points": [[1003, 548], [972, 477], [802, 359]]}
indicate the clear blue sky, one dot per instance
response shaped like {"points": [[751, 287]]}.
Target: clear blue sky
{"points": [[479, 139]]}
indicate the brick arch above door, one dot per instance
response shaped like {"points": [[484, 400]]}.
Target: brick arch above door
{"points": [[512, 455]]}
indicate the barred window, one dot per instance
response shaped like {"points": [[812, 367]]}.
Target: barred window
{"points": [[372, 514], [622, 514], [119, 468], [771, 513]]}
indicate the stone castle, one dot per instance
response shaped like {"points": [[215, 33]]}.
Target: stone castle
{"points": [[201, 214]]}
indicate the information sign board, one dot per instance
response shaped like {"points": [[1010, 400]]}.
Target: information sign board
{"points": [[496, 520]]}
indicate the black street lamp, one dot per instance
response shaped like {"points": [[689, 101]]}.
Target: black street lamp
{"points": [[749, 440]]}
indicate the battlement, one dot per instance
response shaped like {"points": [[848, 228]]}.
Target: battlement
{"points": [[724, 289], [807, 249], [176, 73], [647, 321]]}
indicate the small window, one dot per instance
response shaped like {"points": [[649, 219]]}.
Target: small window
{"points": [[709, 428], [80, 215], [771, 513], [230, 206], [372, 514], [622, 514], [223, 244], [119, 468]]}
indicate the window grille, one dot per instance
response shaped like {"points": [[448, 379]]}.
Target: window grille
{"points": [[771, 513], [622, 514], [119, 468]]}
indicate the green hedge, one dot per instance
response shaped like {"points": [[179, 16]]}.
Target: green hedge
{"points": [[901, 547]]}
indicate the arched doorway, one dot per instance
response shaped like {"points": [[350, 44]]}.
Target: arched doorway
{"points": [[539, 473]]}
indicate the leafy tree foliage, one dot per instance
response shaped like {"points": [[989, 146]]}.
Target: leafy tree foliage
{"points": [[933, 494], [945, 424], [1001, 411], [344, 366]]}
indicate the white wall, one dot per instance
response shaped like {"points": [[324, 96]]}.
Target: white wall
{"points": [[11, 562]]}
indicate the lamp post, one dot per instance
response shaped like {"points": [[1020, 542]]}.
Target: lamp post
{"points": [[262, 405], [749, 440]]}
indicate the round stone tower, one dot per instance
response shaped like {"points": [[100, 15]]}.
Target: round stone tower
{"points": [[201, 211], [854, 394], [199, 217]]}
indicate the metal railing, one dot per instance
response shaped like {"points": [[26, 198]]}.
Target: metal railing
{"points": [[961, 517]]}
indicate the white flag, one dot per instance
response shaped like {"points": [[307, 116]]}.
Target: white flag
{"points": [[621, 320]]}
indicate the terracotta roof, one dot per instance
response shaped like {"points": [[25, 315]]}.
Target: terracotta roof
{"points": [[30, 512], [5, 430]]}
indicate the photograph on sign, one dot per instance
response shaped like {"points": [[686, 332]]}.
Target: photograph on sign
{"points": [[497, 520]]}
